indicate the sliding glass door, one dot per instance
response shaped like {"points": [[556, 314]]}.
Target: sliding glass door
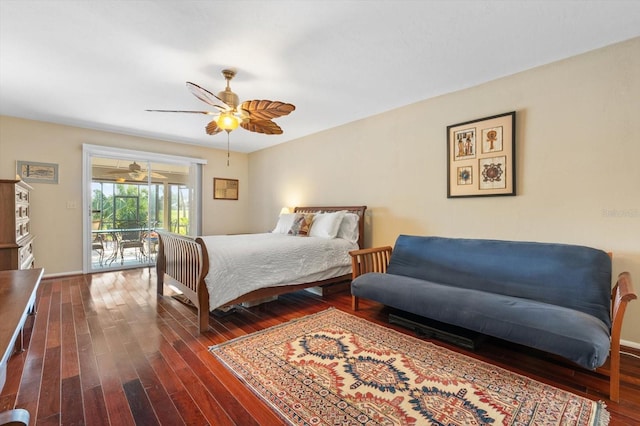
{"points": [[128, 198]]}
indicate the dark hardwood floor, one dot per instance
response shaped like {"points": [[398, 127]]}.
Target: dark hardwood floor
{"points": [[104, 349]]}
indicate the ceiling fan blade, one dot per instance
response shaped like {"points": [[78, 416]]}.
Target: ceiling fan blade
{"points": [[142, 175], [266, 110], [206, 96], [131, 168], [135, 172], [190, 112], [267, 127], [212, 128], [117, 172]]}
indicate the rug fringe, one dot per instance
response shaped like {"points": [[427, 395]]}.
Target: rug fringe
{"points": [[602, 416], [235, 339]]}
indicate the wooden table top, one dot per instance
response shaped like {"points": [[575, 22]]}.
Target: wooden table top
{"points": [[17, 287], [17, 294]]}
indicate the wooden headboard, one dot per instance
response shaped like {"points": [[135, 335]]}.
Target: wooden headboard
{"points": [[359, 210]]}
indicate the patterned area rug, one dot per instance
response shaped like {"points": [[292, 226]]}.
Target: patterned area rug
{"points": [[333, 368]]}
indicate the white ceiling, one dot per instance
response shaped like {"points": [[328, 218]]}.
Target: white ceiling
{"points": [[100, 64]]}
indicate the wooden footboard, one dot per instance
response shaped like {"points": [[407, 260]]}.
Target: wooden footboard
{"points": [[183, 262]]}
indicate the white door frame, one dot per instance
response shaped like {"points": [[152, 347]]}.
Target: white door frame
{"points": [[89, 151]]}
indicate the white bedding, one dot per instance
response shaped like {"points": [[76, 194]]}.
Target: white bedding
{"points": [[239, 264]]}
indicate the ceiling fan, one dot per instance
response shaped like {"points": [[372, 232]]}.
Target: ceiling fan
{"points": [[134, 172], [254, 116]]}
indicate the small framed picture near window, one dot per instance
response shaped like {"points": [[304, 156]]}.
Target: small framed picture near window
{"points": [[481, 157], [225, 189], [37, 172]]}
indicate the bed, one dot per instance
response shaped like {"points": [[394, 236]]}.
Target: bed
{"points": [[204, 270]]}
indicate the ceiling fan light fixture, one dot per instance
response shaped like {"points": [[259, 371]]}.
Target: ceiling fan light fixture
{"points": [[227, 121]]}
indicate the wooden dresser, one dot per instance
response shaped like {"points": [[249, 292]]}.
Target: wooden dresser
{"points": [[16, 240]]}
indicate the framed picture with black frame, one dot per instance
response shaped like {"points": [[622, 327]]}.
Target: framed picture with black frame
{"points": [[481, 157]]}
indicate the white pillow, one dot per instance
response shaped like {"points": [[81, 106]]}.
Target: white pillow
{"points": [[325, 225], [349, 229], [284, 223]]}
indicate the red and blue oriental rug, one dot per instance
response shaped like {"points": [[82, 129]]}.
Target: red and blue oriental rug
{"points": [[333, 368]]}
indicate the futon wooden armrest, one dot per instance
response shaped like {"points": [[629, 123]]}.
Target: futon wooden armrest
{"points": [[621, 294], [374, 259], [625, 287]]}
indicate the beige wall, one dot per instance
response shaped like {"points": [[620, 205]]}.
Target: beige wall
{"points": [[578, 164], [58, 247]]}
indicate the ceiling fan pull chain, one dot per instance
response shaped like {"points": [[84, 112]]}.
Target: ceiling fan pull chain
{"points": [[228, 132]]}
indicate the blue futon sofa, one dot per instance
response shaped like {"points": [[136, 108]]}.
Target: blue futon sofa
{"points": [[553, 297]]}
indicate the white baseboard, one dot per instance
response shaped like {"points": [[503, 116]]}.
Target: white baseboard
{"points": [[62, 274], [630, 344]]}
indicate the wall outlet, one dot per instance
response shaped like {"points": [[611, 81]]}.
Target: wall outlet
{"points": [[72, 204]]}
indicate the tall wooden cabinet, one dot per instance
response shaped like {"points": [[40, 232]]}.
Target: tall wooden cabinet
{"points": [[16, 240]]}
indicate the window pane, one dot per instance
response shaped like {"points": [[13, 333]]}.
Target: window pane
{"points": [[179, 214]]}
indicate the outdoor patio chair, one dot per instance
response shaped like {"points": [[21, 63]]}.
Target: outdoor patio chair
{"points": [[132, 235], [97, 243]]}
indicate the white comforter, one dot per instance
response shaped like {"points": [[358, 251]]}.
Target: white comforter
{"points": [[239, 264]]}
